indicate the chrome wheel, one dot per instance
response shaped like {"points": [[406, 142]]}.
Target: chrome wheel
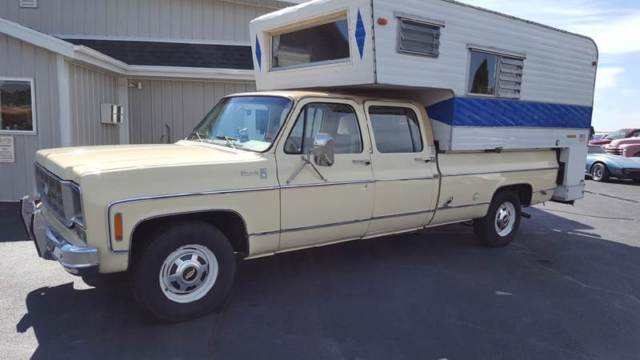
{"points": [[188, 273], [505, 218], [597, 173]]}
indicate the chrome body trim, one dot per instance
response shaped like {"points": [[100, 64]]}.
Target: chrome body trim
{"points": [[500, 172], [323, 184], [167, 196], [463, 206], [342, 223]]}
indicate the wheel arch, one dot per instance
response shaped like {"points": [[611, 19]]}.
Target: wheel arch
{"points": [[229, 222], [524, 191]]}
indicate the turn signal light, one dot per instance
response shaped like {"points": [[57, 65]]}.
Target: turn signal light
{"points": [[117, 225]]}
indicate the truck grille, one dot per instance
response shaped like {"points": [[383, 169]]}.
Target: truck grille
{"points": [[50, 190], [613, 151]]}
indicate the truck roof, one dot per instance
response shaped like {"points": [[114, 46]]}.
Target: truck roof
{"points": [[357, 97]]}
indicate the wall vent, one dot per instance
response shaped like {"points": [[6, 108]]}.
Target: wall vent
{"points": [[30, 4]]}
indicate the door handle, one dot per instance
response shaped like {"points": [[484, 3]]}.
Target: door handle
{"points": [[426, 159], [362, 162]]}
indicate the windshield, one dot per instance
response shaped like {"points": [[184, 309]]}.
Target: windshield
{"points": [[243, 122], [616, 135]]}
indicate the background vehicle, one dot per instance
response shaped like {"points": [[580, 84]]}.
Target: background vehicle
{"points": [[615, 135], [602, 167], [628, 147]]}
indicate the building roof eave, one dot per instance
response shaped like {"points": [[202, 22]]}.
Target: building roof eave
{"points": [[90, 56]]}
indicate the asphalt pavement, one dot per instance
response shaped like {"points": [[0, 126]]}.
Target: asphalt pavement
{"points": [[568, 288]]}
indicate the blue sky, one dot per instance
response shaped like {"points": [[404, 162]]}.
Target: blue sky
{"points": [[615, 26]]}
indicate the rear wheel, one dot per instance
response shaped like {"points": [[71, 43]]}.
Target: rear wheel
{"points": [[500, 226], [599, 172], [184, 271]]}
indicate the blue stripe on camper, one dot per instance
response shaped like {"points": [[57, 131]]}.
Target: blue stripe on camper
{"points": [[468, 111]]}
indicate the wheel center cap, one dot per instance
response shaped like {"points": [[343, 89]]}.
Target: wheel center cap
{"points": [[189, 274]]}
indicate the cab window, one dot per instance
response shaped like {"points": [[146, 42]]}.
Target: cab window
{"points": [[396, 129], [336, 120]]}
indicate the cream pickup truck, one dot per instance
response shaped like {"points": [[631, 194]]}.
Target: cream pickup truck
{"points": [[266, 173]]}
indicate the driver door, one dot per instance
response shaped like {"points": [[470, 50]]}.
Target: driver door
{"points": [[325, 204]]}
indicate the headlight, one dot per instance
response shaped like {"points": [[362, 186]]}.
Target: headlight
{"points": [[62, 197], [73, 204]]}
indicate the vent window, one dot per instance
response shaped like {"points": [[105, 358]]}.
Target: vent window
{"points": [[495, 75], [31, 4], [419, 38]]}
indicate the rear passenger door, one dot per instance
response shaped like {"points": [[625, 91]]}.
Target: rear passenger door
{"points": [[404, 167]]}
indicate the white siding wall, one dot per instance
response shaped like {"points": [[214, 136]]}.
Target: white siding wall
{"points": [[167, 19], [178, 104], [90, 88], [20, 59]]}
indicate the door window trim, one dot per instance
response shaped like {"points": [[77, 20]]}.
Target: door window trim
{"points": [[425, 137], [306, 102]]}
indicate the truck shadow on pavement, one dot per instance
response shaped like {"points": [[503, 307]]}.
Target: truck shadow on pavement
{"points": [[9, 217], [559, 292]]}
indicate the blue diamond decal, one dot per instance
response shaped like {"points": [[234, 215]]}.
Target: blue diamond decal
{"points": [[258, 53], [361, 35]]}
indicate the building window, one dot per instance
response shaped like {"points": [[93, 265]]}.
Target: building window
{"points": [[419, 38], [495, 75], [328, 42], [396, 130], [16, 106], [336, 120]]}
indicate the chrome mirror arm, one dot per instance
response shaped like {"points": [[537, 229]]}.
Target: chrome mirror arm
{"points": [[305, 161]]}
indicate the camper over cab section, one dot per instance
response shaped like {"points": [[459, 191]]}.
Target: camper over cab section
{"points": [[489, 81]]}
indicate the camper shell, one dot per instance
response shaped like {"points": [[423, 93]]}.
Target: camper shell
{"points": [[489, 81]]}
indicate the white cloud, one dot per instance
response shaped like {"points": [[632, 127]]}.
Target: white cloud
{"points": [[608, 77]]}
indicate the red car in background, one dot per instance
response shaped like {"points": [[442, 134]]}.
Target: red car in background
{"points": [[629, 147], [615, 135]]}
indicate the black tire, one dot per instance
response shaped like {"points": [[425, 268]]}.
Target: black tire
{"points": [[486, 230], [146, 280], [599, 172]]}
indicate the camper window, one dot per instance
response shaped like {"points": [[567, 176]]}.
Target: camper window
{"points": [[495, 75], [418, 38], [320, 43]]}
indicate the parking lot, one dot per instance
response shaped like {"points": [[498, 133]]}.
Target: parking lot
{"points": [[568, 288]]}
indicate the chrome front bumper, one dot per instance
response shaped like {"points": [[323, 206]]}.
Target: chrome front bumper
{"points": [[77, 260]]}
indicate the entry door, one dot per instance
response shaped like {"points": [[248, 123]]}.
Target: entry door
{"points": [[404, 167], [324, 204]]}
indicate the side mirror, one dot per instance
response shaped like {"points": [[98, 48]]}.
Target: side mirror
{"points": [[323, 150]]}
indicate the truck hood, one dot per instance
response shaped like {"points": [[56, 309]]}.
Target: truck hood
{"points": [[73, 162]]}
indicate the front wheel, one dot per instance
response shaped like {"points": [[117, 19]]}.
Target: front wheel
{"points": [[500, 226], [184, 271], [599, 172]]}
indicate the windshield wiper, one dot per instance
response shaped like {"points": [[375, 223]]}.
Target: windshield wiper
{"points": [[228, 139], [198, 135]]}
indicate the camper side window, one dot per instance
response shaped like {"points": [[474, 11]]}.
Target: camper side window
{"points": [[321, 43], [496, 75]]}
